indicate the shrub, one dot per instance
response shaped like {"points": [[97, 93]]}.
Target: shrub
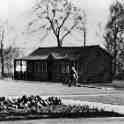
{"points": [[35, 106]]}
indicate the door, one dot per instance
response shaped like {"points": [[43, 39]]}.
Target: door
{"points": [[49, 70]]}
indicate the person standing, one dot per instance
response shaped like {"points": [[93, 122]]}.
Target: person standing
{"points": [[74, 76]]}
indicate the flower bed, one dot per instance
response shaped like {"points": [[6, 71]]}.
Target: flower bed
{"points": [[32, 107]]}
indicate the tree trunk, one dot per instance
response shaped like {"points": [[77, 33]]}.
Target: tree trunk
{"points": [[115, 51], [115, 62], [2, 60], [59, 42], [84, 38], [114, 67]]}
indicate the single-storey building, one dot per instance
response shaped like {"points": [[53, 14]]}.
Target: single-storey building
{"points": [[93, 64]]}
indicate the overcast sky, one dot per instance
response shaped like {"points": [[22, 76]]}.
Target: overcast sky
{"points": [[16, 11]]}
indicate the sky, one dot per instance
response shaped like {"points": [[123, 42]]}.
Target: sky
{"points": [[17, 14], [3, 9]]}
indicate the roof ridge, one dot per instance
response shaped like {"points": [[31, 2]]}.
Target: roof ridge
{"points": [[68, 47]]}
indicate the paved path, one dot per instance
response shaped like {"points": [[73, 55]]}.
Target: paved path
{"points": [[104, 95], [70, 121]]}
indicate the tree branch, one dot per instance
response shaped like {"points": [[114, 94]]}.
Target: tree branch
{"points": [[64, 20], [52, 26], [68, 32], [45, 35], [51, 20]]}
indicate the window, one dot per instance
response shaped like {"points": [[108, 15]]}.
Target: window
{"points": [[30, 67], [21, 66], [38, 67], [65, 68], [24, 66], [43, 67], [18, 66]]}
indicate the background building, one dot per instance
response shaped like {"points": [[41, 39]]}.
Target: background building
{"points": [[92, 63]]}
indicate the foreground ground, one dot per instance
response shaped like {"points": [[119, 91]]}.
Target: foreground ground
{"points": [[94, 93], [71, 121], [101, 93]]}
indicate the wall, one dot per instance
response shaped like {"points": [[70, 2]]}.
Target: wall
{"points": [[96, 67]]}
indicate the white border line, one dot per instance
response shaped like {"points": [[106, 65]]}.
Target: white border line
{"points": [[107, 107]]}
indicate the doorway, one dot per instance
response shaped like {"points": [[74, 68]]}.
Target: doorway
{"points": [[50, 67], [49, 70]]}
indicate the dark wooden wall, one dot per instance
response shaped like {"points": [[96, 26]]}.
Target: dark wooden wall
{"points": [[97, 67]]}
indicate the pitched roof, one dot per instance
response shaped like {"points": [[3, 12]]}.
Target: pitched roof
{"points": [[62, 51], [71, 53]]}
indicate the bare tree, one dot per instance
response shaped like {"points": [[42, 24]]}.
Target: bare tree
{"points": [[114, 35], [7, 52], [10, 54], [2, 37], [59, 16]]}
